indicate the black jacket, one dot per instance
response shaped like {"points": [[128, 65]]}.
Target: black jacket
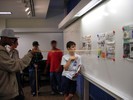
{"points": [[37, 57]]}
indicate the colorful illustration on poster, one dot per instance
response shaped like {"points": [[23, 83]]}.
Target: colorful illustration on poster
{"points": [[101, 45], [106, 45]]}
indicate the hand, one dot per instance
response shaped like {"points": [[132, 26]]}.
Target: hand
{"points": [[72, 58], [33, 51], [58, 69], [79, 69], [35, 65], [75, 75]]}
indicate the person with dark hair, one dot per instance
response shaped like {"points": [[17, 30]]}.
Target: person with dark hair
{"points": [[37, 57], [13, 51], [15, 55], [54, 60], [71, 63], [70, 44], [9, 66], [35, 43]]}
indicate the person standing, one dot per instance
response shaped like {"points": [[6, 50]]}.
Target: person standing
{"points": [[35, 61], [9, 66], [15, 55], [72, 64], [54, 61]]}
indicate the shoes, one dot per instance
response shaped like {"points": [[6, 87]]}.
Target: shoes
{"points": [[53, 93], [61, 93], [33, 94]]}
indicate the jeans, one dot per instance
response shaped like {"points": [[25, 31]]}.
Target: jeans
{"points": [[55, 81], [32, 78]]}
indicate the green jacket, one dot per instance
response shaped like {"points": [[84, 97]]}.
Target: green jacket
{"points": [[8, 68]]}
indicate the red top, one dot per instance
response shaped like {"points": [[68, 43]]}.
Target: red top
{"points": [[54, 59]]}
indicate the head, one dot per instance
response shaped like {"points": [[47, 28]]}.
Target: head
{"points": [[7, 37], [71, 46], [35, 44], [15, 43], [53, 44]]}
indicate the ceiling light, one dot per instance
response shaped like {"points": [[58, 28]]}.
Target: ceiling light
{"points": [[88, 7], [26, 9], [5, 13], [28, 12], [29, 7]]}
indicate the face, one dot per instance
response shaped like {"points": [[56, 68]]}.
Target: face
{"points": [[53, 45], [35, 47], [72, 49], [15, 44]]}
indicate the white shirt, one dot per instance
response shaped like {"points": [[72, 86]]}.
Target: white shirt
{"points": [[73, 68]]}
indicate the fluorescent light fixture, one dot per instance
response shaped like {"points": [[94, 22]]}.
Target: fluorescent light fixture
{"points": [[88, 7], [27, 9], [5, 13], [28, 12]]}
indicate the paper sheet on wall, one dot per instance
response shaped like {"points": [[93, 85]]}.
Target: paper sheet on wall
{"points": [[128, 41], [106, 45]]}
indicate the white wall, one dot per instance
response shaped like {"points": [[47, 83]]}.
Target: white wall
{"points": [[2, 24], [48, 25], [111, 15], [25, 41], [34, 23], [29, 30]]}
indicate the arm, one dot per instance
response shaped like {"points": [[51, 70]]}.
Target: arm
{"points": [[40, 56], [11, 65], [47, 63], [15, 54], [48, 59], [60, 54], [79, 67], [66, 66], [72, 58]]}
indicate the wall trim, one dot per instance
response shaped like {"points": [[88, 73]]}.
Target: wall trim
{"points": [[37, 30]]}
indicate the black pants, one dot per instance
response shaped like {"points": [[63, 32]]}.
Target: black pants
{"points": [[32, 77], [17, 98], [20, 90]]}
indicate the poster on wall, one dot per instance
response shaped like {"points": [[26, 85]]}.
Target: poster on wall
{"points": [[128, 41], [106, 45], [101, 45], [110, 45], [86, 44]]}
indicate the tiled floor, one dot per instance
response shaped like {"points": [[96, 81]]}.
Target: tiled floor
{"points": [[44, 94]]}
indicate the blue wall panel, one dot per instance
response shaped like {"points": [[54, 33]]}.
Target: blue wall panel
{"points": [[80, 86], [96, 93]]}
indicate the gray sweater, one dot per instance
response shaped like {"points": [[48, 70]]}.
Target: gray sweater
{"points": [[8, 68]]}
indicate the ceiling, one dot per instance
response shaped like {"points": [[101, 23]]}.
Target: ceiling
{"points": [[43, 8]]}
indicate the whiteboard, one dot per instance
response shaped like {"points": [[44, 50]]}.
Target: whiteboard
{"points": [[110, 16]]}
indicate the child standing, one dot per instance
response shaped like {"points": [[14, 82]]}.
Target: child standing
{"points": [[37, 57], [71, 63]]}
